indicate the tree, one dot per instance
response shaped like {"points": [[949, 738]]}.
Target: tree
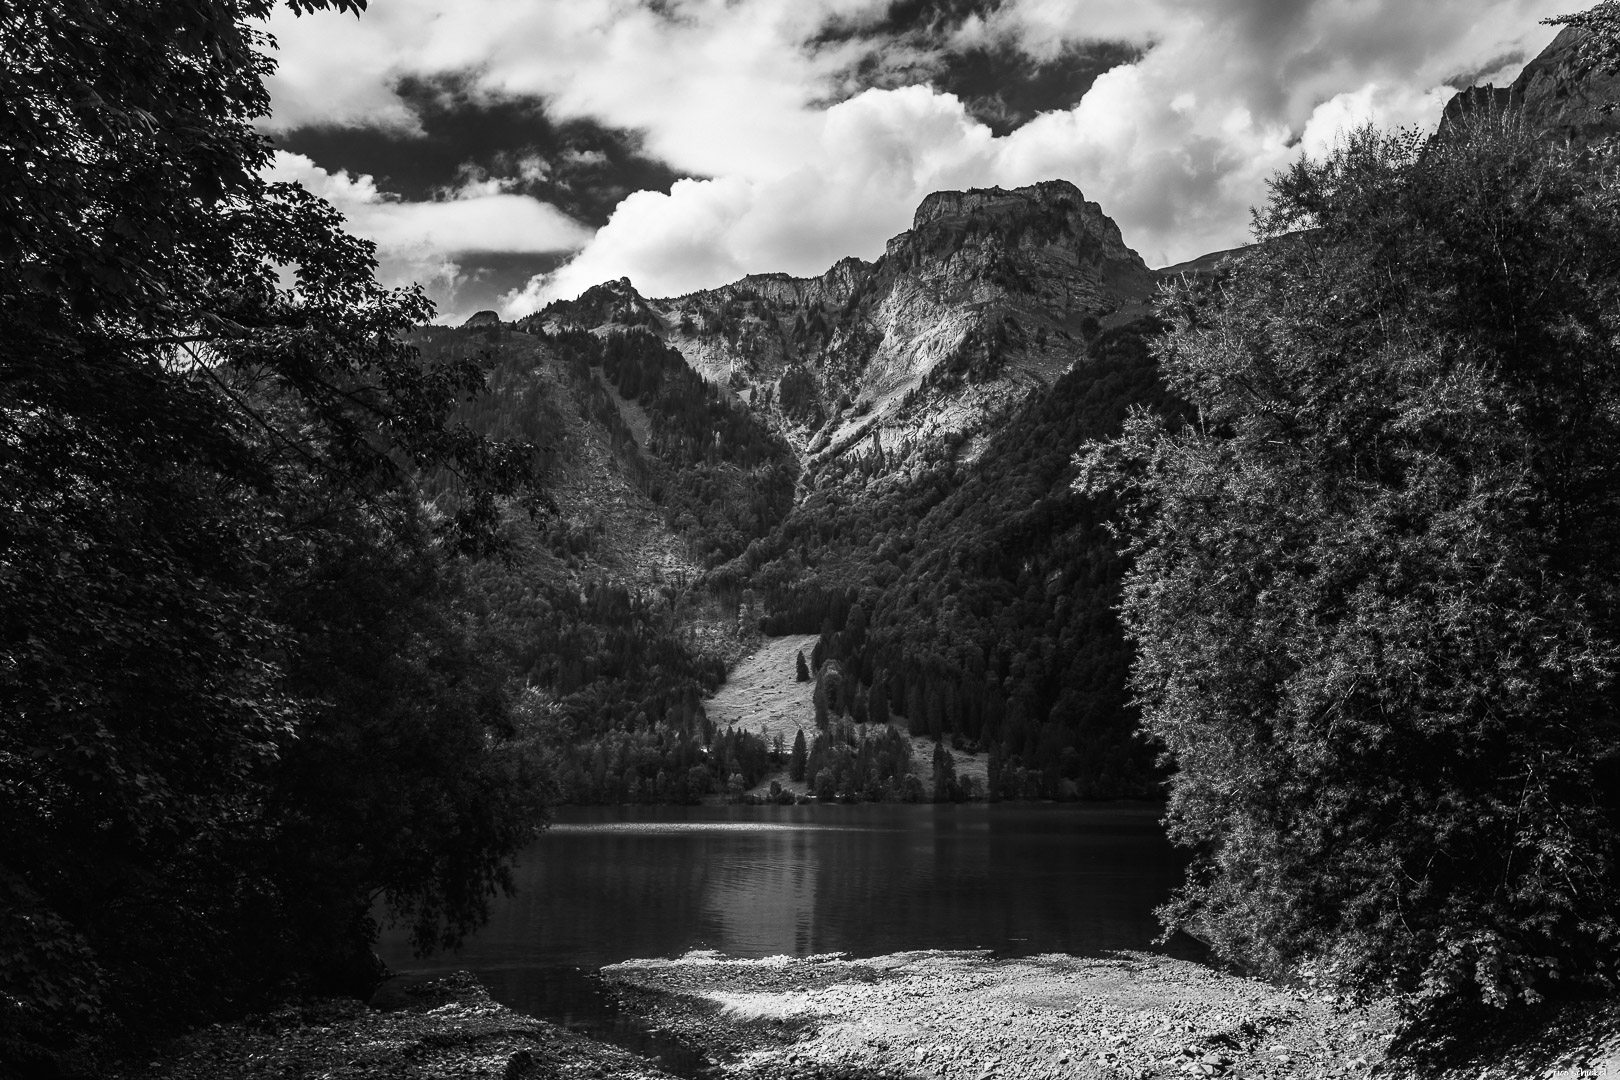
{"points": [[797, 757], [1600, 48], [202, 389], [944, 775], [1374, 597], [404, 782], [877, 705], [802, 670]]}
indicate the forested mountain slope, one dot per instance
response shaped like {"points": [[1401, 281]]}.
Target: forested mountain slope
{"points": [[973, 602], [650, 474], [928, 406]]}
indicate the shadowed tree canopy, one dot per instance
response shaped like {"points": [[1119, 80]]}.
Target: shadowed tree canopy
{"points": [[221, 598], [1374, 595]]}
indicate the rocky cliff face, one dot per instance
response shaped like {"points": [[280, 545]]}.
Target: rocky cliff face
{"points": [[990, 293], [1558, 91]]}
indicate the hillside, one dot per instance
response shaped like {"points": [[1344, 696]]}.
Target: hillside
{"points": [[928, 404], [763, 696], [649, 476], [974, 602]]}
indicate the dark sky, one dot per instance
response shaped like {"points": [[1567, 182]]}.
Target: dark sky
{"points": [[504, 152]]}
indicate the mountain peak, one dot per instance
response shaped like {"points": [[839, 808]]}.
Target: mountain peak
{"points": [[996, 200], [991, 294], [611, 302]]}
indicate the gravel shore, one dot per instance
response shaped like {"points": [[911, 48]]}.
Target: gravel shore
{"points": [[444, 1028], [966, 1016], [908, 1016]]}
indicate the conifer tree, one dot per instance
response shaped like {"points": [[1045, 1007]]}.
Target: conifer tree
{"points": [[877, 702], [797, 756]]}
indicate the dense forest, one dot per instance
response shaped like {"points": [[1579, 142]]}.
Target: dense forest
{"points": [[974, 604], [971, 605], [244, 697], [613, 680]]}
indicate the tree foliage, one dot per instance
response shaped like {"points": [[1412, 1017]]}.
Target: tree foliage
{"points": [[1599, 48], [237, 697], [1374, 594]]}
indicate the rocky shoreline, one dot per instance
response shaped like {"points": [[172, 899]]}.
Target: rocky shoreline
{"points": [[907, 1016], [966, 1016], [445, 1028]]}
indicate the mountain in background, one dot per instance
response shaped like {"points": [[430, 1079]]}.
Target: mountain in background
{"points": [[991, 293], [877, 459]]}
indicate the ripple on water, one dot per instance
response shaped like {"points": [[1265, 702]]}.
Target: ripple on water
{"points": [[653, 828]]}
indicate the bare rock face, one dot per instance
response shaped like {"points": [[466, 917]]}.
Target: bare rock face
{"points": [[482, 318], [612, 303], [1558, 91], [991, 293]]}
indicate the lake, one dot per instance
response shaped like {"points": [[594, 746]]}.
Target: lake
{"points": [[615, 883]]}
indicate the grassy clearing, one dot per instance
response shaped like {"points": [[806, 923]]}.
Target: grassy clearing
{"points": [[762, 695]]}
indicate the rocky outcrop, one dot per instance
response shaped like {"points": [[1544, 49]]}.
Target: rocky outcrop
{"points": [[482, 318], [612, 303], [990, 293], [1559, 91]]}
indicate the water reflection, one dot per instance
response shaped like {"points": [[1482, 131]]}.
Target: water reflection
{"points": [[608, 884]]}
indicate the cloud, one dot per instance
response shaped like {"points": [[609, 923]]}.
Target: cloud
{"points": [[789, 172], [717, 86], [425, 241], [870, 161]]}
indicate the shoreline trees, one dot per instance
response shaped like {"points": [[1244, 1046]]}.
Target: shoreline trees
{"points": [[238, 699], [1374, 596]]}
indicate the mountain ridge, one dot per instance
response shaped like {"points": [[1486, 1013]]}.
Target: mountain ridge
{"points": [[1559, 91], [990, 294], [879, 455]]}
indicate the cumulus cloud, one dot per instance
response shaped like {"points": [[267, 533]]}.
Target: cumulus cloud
{"points": [[424, 241], [869, 163], [716, 86], [742, 97]]}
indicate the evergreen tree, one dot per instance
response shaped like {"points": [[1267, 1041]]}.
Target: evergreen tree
{"points": [[802, 669], [797, 757], [877, 703]]}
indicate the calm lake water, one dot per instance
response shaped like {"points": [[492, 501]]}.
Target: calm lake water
{"points": [[610, 884]]}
